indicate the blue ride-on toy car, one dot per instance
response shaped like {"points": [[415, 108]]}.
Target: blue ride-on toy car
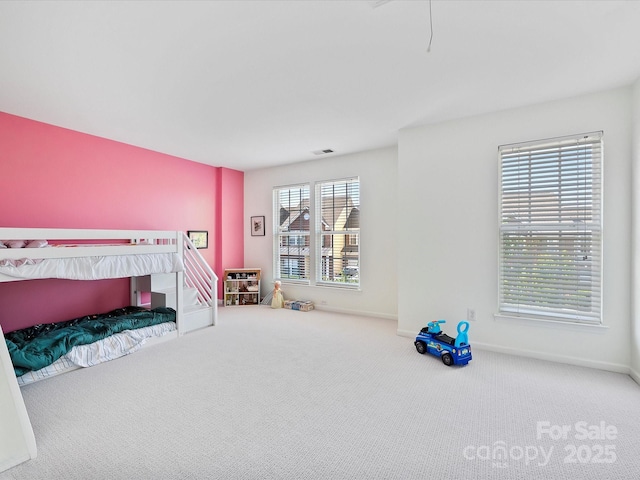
{"points": [[452, 351]]}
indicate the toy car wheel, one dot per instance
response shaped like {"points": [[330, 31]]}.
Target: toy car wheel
{"points": [[447, 359], [421, 347]]}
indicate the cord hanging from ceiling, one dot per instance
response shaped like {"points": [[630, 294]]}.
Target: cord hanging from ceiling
{"points": [[379, 3], [430, 28]]}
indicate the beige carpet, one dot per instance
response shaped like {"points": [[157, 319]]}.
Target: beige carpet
{"points": [[280, 394]]}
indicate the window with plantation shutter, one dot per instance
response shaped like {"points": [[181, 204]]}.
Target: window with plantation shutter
{"points": [[338, 232], [291, 226], [551, 229], [329, 256]]}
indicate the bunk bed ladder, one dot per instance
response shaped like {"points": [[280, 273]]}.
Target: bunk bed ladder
{"points": [[192, 292], [201, 278]]}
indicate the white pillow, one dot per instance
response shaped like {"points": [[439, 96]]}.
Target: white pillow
{"points": [[15, 243], [36, 244]]}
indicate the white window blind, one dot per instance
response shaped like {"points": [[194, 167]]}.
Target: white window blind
{"points": [[291, 218], [338, 232], [550, 229]]}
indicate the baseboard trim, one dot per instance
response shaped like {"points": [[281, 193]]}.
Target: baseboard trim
{"points": [[580, 362], [347, 311], [406, 333]]}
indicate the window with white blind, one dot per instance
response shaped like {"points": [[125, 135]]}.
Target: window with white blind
{"points": [[292, 220], [338, 232], [550, 229]]}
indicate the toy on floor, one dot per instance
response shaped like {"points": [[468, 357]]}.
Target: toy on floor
{"points": [[277, 300], [452, 351]]}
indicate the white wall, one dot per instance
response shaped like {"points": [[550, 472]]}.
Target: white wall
{"points": [[635, 238], [448, 198], [377, 170]]}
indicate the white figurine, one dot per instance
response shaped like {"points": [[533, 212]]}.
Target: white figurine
{"points": [[278, 300]]}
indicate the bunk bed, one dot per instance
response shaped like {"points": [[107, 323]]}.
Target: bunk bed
{"points": [[143, 256], [163, 264]]}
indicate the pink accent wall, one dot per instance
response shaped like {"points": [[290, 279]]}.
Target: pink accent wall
{"points": [[51, 177]]}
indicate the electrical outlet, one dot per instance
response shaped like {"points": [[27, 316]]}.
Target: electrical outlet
{"points": [[323, 302], [471, 314]]}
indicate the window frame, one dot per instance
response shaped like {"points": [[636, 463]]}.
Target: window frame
{"points": [[318, 264]]}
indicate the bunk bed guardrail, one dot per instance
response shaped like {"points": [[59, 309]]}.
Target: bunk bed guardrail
{"points": [[201, 277], [194, 273]]}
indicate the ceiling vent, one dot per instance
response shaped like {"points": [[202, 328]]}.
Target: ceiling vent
{"points": [[322, 152]]}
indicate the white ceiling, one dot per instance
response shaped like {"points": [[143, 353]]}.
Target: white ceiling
{"points": [[247, 84]]}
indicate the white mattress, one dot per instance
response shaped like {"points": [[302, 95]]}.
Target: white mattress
{"points": [[96, 268], [110, 348]]}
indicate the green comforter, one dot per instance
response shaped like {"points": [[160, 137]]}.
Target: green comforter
{"points": [[36, 347]]}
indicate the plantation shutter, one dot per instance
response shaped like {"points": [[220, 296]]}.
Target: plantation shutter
{"points": [[550, 229], [292, 222], [338, 232]]}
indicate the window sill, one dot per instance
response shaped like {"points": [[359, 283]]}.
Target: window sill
{"points": [[344, 286], [293, 283], [542, 322]]}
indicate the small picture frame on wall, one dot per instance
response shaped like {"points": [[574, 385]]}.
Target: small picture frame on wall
{"points": [[257, 226], [199, 238]]}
